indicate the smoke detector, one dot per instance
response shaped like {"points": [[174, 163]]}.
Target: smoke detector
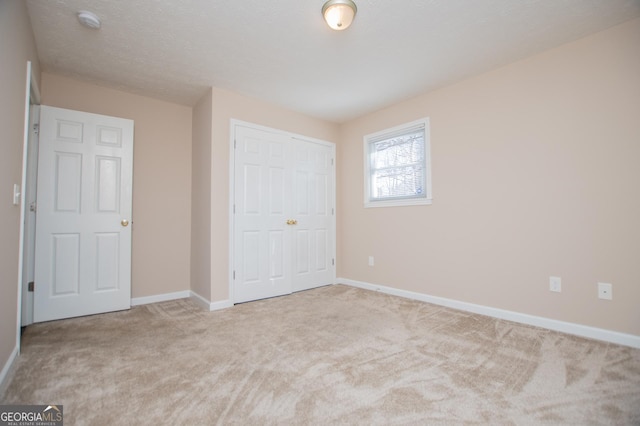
{"points": [[89, 19]]}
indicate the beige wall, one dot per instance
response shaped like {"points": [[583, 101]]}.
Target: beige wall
{"points": [[17, 46], [201, 198], [535, 173], [228, 105], [161, 178]]}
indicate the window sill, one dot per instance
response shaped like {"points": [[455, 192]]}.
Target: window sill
{"points": [[399, 203]]}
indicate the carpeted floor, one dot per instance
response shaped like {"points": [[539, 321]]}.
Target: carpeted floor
{"points": [[333, 355]]}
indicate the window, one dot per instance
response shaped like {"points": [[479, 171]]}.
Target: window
{"points": [[398, 166]]}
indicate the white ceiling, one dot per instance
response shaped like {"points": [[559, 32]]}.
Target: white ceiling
{"points": [[281, 51]]}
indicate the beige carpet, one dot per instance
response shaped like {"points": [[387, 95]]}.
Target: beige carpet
{"points": [[333, 355]]}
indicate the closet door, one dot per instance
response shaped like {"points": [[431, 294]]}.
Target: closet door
{"points": [[313, 195], [283, 224], [262, 245]]}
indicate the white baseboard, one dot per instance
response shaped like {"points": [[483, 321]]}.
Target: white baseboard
{"points": [[210, 306], [204, 303], [160, 298], [7, 369], [551, 324], [222, 304], [201, 301]]}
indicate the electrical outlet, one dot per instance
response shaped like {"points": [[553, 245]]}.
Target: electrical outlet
{"points": [[555, 284], [605, 291], [371, 261]]}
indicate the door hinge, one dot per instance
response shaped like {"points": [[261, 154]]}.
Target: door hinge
{"points": [[33, 207], [234, 275], [332, 161], [30, 286], [36, 128], [333, 262]]}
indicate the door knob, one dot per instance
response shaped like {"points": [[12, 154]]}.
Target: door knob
{"points": [[124, 222], [292, 222]]}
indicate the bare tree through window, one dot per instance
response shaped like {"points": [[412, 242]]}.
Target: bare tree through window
{"points": [[397, 166]]}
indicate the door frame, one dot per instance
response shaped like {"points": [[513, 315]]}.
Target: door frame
{"points": [[32, 97], [233, 123], [29, 192]]}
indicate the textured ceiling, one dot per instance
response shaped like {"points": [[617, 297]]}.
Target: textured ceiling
{"points": [[282, 51]]}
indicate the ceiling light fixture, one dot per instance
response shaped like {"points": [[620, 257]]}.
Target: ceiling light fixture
{"points": [[339, 14], [89, 19]]}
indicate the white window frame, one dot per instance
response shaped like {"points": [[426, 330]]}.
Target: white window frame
{"points": [[424, 199]]}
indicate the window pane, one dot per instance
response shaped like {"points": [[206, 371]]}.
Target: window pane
{"points": [[398, 182], [398, 151], [397, 166]]}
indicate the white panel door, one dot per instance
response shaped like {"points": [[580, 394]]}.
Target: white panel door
{"points": [[83, 231], [262, 247], [284, 226], [313, 192]]}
